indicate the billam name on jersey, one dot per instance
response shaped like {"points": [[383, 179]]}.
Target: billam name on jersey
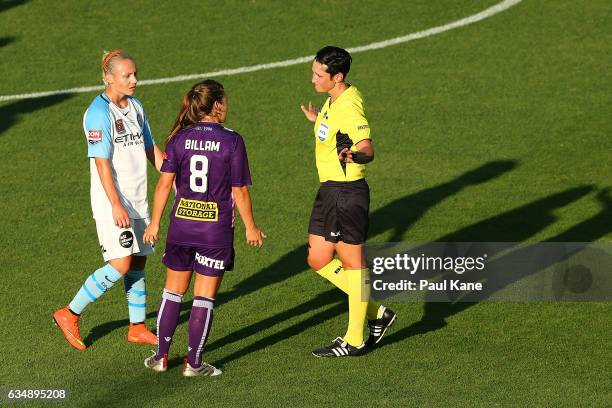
{"points": [[207, 145]]}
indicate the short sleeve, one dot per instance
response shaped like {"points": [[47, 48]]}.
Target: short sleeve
{"points": [[146, 131], [97, 126], [171, 159], [355, 124], [239, 165]]}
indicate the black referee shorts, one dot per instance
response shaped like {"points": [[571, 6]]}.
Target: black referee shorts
{"points": [[340, 211]]}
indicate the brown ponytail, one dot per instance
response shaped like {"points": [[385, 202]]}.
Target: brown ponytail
{"points": [[196, 104]]}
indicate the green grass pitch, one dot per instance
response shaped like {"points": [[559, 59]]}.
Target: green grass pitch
{"points": [[520, 101]]}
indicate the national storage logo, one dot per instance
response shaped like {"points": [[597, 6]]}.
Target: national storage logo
{"points": [[197, 210]]}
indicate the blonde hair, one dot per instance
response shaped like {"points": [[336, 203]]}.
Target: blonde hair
{"points": [[109, 59]]}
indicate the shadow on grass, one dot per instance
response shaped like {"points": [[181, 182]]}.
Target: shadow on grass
{"points": [[11, 113], [103, 329], [399, 215], [337, 308], [540, 216], [4, 41], [9, 4], [511, 226], [321, 300], [537, 215]]}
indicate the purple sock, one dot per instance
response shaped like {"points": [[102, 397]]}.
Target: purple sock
{"points": [[167, 320], [200, 321]]}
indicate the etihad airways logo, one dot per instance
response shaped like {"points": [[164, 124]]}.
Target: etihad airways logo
{"points": [[130, 139]]}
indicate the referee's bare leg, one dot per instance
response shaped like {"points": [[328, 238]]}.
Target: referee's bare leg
{"points": [[320, 252]]}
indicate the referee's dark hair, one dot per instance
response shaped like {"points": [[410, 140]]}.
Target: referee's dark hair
{"points": [[337, 60]]}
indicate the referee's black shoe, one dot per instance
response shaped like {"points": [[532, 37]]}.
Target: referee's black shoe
{"points": [[340, 348], [378, 327]]}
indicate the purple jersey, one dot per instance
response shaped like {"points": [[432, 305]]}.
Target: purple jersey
{"points": [[208, 161]]}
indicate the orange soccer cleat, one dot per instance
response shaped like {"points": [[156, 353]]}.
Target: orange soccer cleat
{"points": [[139, 333], [68, 323]]}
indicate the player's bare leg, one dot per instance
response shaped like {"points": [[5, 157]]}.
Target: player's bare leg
{"points": [[138, 262], [320, 252], [178, 281], [321, 259], [352, 256], [121, 265]]}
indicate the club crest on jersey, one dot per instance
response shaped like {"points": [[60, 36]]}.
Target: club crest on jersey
{"points": [[94, 136], [119, 126]]}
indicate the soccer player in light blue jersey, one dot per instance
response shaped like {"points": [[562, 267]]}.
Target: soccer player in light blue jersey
{"points": [[119, 145]]}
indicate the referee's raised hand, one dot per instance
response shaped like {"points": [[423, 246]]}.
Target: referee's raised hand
{"points": [[310, 112]]}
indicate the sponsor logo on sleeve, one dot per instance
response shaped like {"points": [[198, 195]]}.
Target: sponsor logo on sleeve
{"points": [[197, 210], [165, 156], [94, 136], [126, 239], [363, 127], [139, 119], [119, 126]]}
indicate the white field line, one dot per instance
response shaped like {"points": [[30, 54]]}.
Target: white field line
{"points": [[491, 11]]}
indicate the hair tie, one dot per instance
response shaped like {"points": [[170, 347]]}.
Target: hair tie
{"points": [[109, 57]]}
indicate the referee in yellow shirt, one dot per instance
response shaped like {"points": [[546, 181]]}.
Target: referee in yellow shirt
{"points": [[339, 219]]}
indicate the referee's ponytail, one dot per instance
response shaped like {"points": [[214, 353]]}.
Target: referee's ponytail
{"points": [[198, 103]]}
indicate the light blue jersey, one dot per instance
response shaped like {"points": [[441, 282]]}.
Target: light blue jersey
{"points": [[120, 135]]}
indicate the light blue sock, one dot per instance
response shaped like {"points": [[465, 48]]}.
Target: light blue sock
{"points": [[95, 286], [136, 294]]}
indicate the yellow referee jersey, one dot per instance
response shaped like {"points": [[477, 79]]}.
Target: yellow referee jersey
{"points": [[343, 124]]}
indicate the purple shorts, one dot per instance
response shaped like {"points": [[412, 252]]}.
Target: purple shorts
{"points": [[205, 261]]}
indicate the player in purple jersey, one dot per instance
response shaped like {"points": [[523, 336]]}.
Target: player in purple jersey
{"points": [[209, 164]]}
